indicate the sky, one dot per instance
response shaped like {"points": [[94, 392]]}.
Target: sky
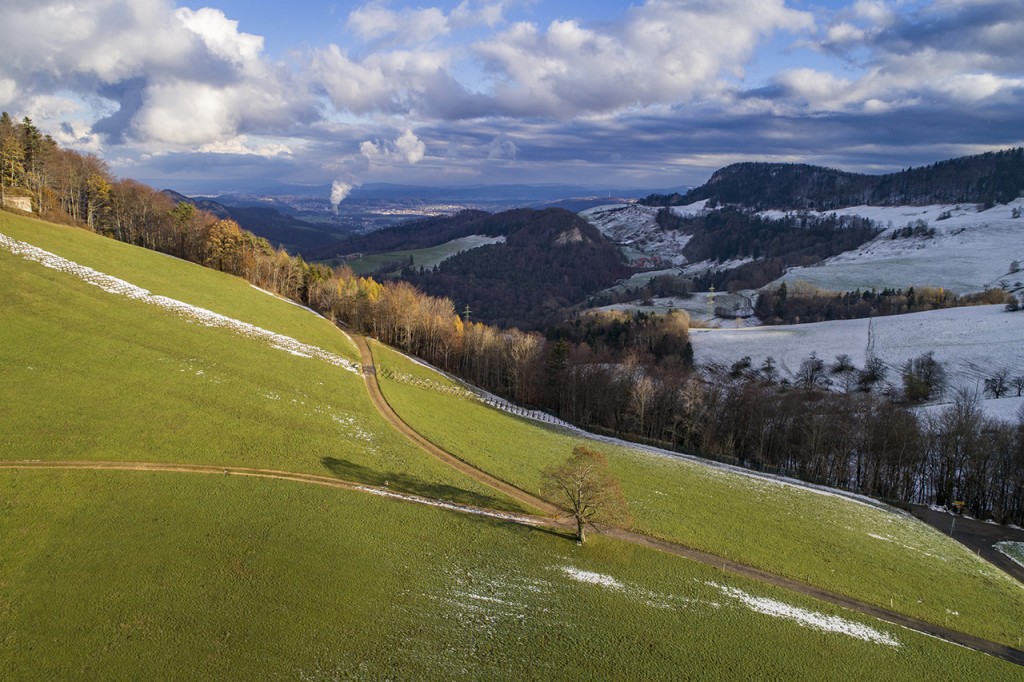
{"points": [[240, 96]]}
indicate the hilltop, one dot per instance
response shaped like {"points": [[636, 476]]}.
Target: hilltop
{"points": [[987, 179]]}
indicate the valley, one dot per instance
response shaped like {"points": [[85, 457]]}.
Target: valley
{"points": [[466, 595]]}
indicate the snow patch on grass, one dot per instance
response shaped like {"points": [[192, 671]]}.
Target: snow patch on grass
{"points": [[807, 618], [203, 316], [592, 578]]}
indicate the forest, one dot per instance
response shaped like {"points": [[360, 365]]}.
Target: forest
{"points": [[551, 260], [625, 374]]}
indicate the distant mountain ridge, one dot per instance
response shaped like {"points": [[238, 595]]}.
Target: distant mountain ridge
{"points": [[990, 178], [280, 229]]}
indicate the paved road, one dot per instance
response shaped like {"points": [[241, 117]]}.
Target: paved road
{"points": [[978, 535]]}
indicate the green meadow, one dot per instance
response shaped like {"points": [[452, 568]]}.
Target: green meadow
{"points": [[130, 575], [427, 257], [881, 557], [89, 375], [155, 575]]}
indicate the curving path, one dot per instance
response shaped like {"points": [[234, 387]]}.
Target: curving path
{"points": [[386, 411], [552, 516]]}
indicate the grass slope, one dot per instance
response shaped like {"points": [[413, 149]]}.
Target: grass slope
{"points": [[125, 575], [188, 282], [140, 575], [85, 374], [884, 558]]}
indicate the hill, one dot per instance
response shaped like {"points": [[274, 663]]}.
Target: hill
{"points": [[223, 502], [549, 261], [993, 177]]}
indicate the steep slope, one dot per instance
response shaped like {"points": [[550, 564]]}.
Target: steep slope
{"points": [[960, 249], [875, 555]]}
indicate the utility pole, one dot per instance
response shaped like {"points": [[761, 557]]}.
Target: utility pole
{"points": [[466, 313]]}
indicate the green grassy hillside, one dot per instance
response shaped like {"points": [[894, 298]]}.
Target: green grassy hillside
{"points": [[156, 575], [124, 575], [89, 375], [888, 559]]}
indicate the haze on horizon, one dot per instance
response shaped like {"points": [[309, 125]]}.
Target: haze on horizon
{"points": [[656, 93]]}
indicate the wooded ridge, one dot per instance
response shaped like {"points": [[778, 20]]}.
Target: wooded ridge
{"points": [[987, 179]]}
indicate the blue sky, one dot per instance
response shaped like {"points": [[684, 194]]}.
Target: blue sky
{"points": [[236, 95]]}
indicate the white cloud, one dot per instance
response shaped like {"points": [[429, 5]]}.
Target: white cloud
{"points": [[8, 90], [178, 76], [242, 145], [663, 52], [391, 82], [375, 21], [410, 147], [406, 147], [221, 35], [502, 147]]}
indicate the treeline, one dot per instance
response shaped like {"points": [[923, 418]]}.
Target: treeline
{"points": [[984, 179], [78, 189], [802, 302], [626, 374]]}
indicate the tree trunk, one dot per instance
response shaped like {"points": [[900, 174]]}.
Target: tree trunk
{"points": [[581, 534]]}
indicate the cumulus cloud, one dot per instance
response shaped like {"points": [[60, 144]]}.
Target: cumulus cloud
{"points": [[502, 147], [406, 147], [376, 21], [946, 54], [663, 52], [168, 76], [221, 35], [243, 146]]}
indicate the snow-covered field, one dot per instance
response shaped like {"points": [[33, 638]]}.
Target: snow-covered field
{"points": [[1014, 550], [970, 250], [724, 596], [970, 343]]}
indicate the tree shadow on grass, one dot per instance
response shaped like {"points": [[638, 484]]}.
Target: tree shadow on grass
{"points": [[404, 483]]}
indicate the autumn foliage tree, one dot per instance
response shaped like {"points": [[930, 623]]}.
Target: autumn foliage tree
{"points": [[585, 488]]}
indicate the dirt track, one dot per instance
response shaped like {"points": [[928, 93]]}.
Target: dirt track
{"points": [[382, 405]]}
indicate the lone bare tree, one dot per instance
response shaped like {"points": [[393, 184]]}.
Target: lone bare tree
{"points": [[585, 488]]}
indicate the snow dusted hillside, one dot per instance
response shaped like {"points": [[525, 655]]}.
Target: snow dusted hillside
{"points": [[971, 344], [634, 229], [969, 252]]}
